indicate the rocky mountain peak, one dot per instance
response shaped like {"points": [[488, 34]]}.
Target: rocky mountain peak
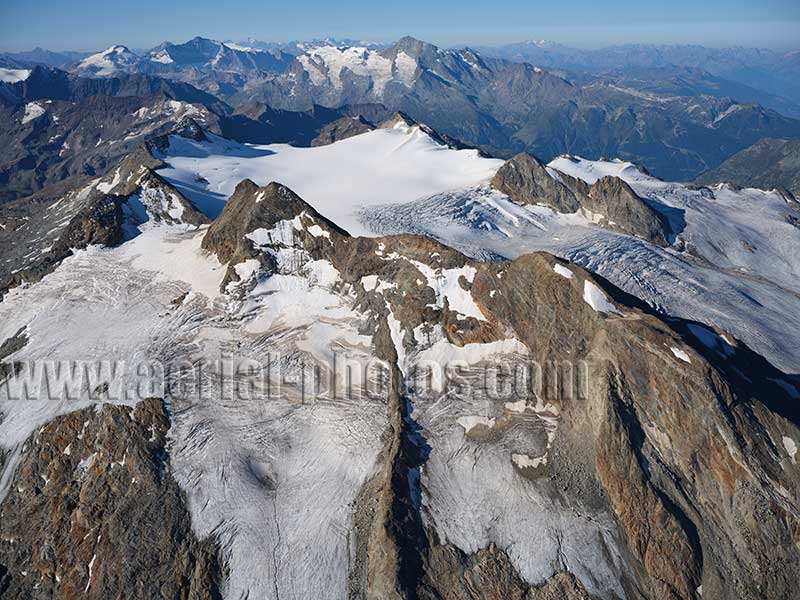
{"points": [[412, 46], [254, 208], [341, 129], [526, 180], [190, 129]]}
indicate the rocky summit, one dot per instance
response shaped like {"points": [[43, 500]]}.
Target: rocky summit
{"points": [[382, 320]]}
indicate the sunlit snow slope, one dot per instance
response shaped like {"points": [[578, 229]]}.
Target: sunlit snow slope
{"points": [[392, 166]]}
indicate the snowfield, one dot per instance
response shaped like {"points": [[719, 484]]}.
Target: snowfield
{"points": [[325, 64], [13, 75], [393, 166]]}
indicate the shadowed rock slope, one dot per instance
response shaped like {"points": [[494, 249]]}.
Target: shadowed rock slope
{"points": [[768, 164]]}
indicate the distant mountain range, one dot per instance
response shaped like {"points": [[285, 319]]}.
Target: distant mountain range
{"points": [[662, 107], [676, 130], [768, 70]]}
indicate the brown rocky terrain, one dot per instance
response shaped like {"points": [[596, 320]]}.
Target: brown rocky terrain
{"points": [[677, 440], [94, 512]]}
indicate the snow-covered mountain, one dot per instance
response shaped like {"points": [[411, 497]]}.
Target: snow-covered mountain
{"points": [[638, 480], [677, 121], [731, 249], [504, 107], [111, 61], [297, 47], [210, 54]]}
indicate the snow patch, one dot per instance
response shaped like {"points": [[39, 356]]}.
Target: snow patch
{"points": [[446, 284], [13, 75], [32, 111], [523, 461], [373, 282], [471, 422], [596, 298], [681, 354], [563, 271], [791, 448], [340, 181]]}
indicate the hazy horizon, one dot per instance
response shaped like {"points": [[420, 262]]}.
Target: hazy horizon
{"points": [[56, 26]]}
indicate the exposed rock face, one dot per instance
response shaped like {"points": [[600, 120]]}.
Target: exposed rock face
{"points": [[341, 129], [249, 209], [488, 574], [36, 243], [81, 139], [260, 123], [93, 511], [526, 180], [624, 210]]}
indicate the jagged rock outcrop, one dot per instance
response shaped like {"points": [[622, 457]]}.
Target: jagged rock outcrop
{"points": [[488, 574], [249, 209], [93, 511], [526, 180], [624, 210], [341, 129]]}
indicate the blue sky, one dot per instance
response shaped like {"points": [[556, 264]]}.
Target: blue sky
{"points": [[95, 24]]}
